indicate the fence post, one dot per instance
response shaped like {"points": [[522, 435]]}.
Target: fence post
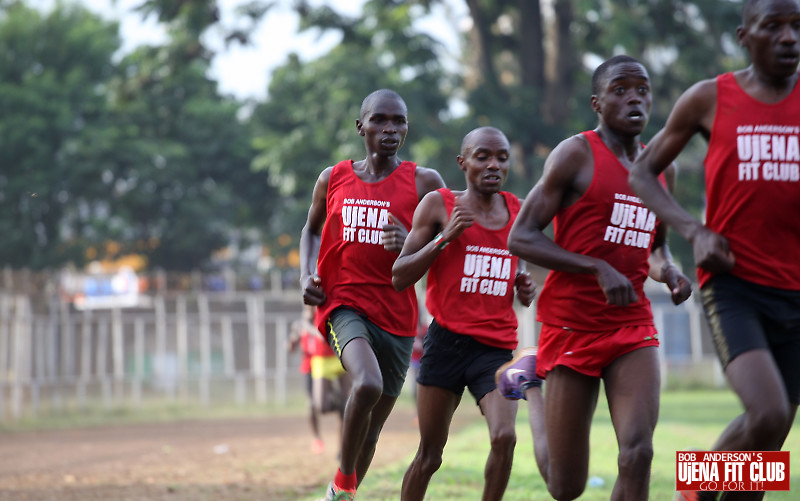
{"points": [[20, 362], [118, 353], [138, 360], [258, 364], [36, 346], [229, 360], [5, 322], [66, 345], [205, 348], [658, 320], [161, 340], [281, 354], [86, 356], [228, 349], [695, 329], [101, 362], [50, 372], [182, 343]]}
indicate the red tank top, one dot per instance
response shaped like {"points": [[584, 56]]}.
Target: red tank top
{"points": [[471, 284], [356, 270], [608, 222], [752, 172]]}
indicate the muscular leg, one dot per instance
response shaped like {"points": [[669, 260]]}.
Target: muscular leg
{"points": [[632, 384], [768, 414], [767, 411], [379, 415], [500, 416], [367, 387], [535, 400], [569, 406], [344, 384], [436, 407]]}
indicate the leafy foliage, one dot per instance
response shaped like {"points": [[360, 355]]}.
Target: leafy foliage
{"points": [[309, 120], [143, 151], [52, 76]]}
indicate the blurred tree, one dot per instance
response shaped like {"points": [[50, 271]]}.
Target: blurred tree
{"points": [[143, 153], [680, 42], [308, 121], [178, 167], [529, 64], [53, 72], [527, 67], [530, 61]]}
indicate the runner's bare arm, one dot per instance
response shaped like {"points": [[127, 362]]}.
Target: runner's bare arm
{"points": [[310, 239], [419, 251]]}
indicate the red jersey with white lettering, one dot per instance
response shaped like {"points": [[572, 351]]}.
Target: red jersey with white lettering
{"points": [[471, 283], [752, 171], [355, 269], [608, 222]]}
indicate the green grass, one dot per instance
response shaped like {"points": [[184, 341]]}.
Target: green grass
{"points": [[688, 420], [151, 411]]}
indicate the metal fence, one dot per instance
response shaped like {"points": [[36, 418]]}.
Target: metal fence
{"points": [[211, 348], [200, 347]]}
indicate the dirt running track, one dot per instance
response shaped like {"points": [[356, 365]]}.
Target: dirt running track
{"points": [[265, 459]]}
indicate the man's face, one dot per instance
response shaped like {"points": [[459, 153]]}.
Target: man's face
{"points": [[624, 100], [486, 161], [384, 126], [771, 36]]}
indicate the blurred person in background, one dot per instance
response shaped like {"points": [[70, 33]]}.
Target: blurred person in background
{"points": [[327, 383]]}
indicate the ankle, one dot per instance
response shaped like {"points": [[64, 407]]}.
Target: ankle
{"points": [[346, 481]]}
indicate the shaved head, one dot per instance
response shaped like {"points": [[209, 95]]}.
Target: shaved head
{"points": [[470, 140], [369, 102], [752, 10], [749, 10]]}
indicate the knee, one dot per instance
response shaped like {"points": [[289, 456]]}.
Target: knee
{"points": [[504, 441], [367, 390], [568, 481], [635, 461], [562, 491], [428, 461], [769, 423]]}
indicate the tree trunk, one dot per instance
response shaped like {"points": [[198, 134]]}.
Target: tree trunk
{"points": [[560, 81], [482, 41], [531, 46]]}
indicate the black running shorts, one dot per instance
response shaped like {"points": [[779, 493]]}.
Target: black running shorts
{"points": [[745, 316], [454, 361]]}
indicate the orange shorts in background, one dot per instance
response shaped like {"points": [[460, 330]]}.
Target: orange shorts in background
{"points": [[589, 352]]}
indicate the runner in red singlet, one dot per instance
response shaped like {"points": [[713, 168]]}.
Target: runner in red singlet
{"points": [[357, 223], [460, 239], [597, 322], [747, 250], [327, 383]]}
